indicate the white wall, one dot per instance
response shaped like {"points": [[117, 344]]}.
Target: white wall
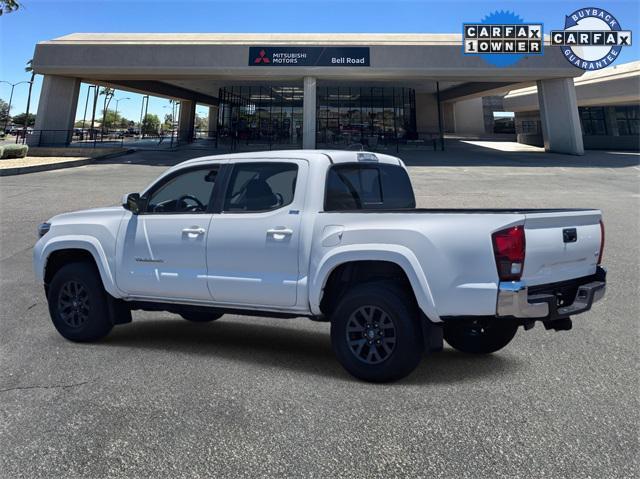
{"points": [[468, 116], [426, 113]]}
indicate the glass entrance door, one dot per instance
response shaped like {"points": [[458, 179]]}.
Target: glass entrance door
{"points": [[257, 116], [367, 115]]}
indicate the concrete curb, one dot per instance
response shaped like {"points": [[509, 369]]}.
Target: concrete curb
{"points": [[21, 170]]}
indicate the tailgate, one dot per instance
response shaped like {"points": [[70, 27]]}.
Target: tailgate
{"points": [[561, 245]]}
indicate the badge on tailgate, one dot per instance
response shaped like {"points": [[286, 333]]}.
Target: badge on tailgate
{"points": [[569, 235]]}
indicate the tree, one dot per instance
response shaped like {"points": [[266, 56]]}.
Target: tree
{"points": [[8, 6], [4, 111], [111, 119], [114, 120], [124, 123], [150, 124], [168, 122], [20, 119], [108, 95], [202, 122], [29, 69]]}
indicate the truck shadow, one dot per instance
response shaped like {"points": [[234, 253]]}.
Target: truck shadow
{"points": [[293, 348]]}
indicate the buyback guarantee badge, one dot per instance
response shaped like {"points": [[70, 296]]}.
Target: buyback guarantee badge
{"points": [[592, 38]]}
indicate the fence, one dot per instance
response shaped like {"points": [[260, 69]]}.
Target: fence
{"points": [[222, 140], [96, 139]]}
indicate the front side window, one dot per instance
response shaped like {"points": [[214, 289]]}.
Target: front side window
{"points": [[256, 187], [368, 187], [188, 192]]}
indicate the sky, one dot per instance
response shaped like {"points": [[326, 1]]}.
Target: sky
{"points": [[40, 20]]}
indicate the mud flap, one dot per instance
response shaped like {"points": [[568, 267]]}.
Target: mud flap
{"points": [[119, 311], [432, 334]]}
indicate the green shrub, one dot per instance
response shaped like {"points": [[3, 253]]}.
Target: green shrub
{"points": [[14, 151], [1, 151]]}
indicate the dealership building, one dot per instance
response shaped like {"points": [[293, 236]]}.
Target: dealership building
{"points": [[608, 107], [311, 90]]}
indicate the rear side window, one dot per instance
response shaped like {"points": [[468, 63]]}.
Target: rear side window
{"points": [[368, 187], [258, 187]]}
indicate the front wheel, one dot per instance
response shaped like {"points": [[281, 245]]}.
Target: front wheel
{"points": [[375, 332], [481, 336], [78, 303]]}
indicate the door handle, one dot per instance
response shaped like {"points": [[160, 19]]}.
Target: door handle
{"points": [[194, 231], [279, 233]]}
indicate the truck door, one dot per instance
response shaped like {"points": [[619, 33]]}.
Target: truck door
{"points": [[162, 250], [252, 247]]}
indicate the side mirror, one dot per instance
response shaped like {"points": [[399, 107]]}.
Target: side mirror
{"points": [[132, 202]]}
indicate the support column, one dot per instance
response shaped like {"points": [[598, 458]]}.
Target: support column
{"points": [[213, 121], [559, 116], [309, 114], [186, 120], [56, 111]]}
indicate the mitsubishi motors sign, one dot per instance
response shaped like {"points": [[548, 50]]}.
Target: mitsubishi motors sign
{"points": [[309, 56]]}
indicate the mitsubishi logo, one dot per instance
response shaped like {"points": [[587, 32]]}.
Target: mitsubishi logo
{"points": [[262, 57]]}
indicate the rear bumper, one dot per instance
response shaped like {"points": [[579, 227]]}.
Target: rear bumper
{"points": [[552, 301]]}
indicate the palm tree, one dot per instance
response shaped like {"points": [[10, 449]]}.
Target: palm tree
{"points": [[8, 6], [29, 69], [108, 95]]}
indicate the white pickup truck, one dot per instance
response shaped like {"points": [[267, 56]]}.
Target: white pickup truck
{"points": [[329, 235]]}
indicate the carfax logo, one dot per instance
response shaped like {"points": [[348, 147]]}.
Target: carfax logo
{"points": [[592, 38], [502, 38]]}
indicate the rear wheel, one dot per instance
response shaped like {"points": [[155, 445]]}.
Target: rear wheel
{"points": [[481, 336], [375, 332], [200, 316], [78, 303]]}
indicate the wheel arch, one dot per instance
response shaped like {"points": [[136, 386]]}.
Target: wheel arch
{"points": [[398, 256], [60, 251]]}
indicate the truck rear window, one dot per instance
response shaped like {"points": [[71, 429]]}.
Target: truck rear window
{"points": [[368, 187]]}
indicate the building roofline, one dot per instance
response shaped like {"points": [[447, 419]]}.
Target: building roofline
{"points": [[615, 72], [261, 38]]}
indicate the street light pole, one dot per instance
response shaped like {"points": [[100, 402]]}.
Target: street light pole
{"points": [[118, 100], [173, 118], [146, 111], [144, 99], [13, 85], [92, 134]]}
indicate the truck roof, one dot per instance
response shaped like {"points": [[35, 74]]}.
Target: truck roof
{"points": [[334, 156]]}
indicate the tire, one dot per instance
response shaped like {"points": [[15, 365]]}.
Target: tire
{"points": [[200, 316], [78, 303], [479, 337], [375, 332]]}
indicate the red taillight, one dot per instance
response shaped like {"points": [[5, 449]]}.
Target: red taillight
{"points": [[601, 242], [508, 248]]}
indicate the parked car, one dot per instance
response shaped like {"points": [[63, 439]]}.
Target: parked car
{"points": [[328, 235], [21, 132]]}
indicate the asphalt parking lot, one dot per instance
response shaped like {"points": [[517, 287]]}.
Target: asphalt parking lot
{"points": [[162, 397]]}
